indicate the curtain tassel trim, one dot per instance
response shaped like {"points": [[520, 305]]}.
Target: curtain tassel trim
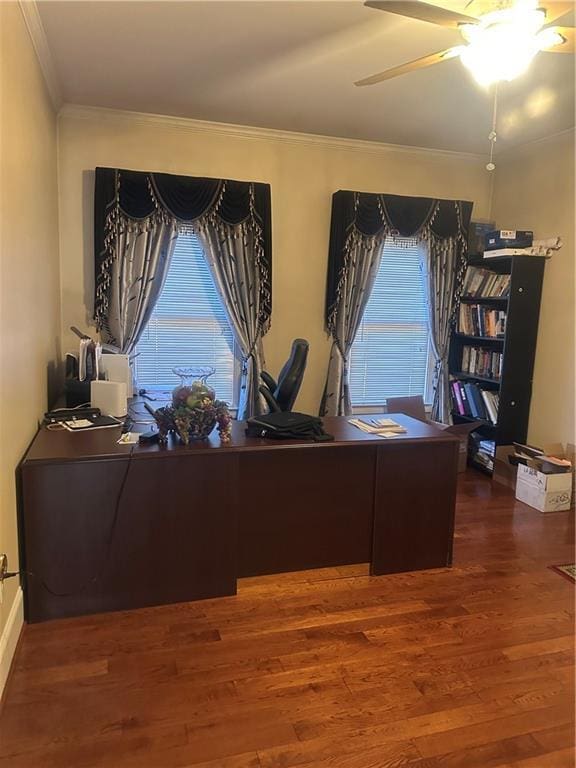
{"points": [[117, 224], [354, 241]]}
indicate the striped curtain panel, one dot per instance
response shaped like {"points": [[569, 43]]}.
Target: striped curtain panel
{"points": [[356, 283], [445, 268]]}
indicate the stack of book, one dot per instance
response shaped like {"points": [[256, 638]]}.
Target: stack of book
{"points": [[484, 283], [476, 320], [482, 451], [482, 362], [469, 399]]}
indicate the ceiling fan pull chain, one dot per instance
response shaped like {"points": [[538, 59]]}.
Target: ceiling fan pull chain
{"points": [[492, 136]]}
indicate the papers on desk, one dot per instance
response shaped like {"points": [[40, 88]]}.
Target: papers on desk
{"points": [[96, 422], [129, 438], [379, 427]]}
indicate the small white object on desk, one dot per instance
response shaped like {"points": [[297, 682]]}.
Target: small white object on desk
{"points": [[110, 397], [117, 368], [129, 438]]}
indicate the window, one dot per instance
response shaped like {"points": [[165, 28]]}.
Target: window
{"points": [[188, 327], [391, 353]]}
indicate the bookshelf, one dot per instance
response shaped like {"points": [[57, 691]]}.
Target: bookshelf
{"points": [[517, 345]]}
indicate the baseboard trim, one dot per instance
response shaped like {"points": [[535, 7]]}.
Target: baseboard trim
{"points": [[10, 637]]}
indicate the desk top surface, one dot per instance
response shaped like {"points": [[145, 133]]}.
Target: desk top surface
{"points": [[55, 446]]}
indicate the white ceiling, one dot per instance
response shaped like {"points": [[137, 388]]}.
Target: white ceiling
{"points": [[291, 65]]}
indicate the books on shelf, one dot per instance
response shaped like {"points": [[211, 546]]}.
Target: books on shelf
{"points": [[478, 320], [485, 283], [482, 451], [478, 361], [470, 399]]}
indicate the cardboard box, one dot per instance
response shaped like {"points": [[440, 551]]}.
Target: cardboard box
{"points": [[504, 472], [461, 431], [548, 493]]}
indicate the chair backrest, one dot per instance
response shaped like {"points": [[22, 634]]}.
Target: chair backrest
{"points": [[291, 375], [411, 406]]}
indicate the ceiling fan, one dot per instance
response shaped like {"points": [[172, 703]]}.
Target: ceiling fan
{"points": [[501, 38]]}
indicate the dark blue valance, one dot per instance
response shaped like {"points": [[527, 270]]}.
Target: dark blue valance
{"points": [[137, 195], [371, 214]]}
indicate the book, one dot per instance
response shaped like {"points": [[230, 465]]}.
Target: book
{"points": [[477, 402], [483, 283], [489, 405], [469, 399], [457, 399], [479, 320], [464, 398], [482, 362]]}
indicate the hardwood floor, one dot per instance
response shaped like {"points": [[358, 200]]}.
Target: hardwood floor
{"points": [[468, 667]]}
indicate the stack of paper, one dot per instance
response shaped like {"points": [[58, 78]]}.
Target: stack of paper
{"points": [[379, 427]]}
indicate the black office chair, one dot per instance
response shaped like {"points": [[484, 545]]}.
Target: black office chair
{"points": [[281, 395]]}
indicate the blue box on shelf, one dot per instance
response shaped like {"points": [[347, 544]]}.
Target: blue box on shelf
{"points": [[508, 238]]}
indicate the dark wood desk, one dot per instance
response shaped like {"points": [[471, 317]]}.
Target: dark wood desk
{"points": [[108, 527]]}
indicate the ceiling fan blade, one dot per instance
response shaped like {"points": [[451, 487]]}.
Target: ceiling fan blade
{"points": [[410, 66], [565, 47], [423, 11], [478, 8], [556, 10]]}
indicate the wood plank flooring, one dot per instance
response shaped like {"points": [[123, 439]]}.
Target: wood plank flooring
{"points": [[468, 667]]}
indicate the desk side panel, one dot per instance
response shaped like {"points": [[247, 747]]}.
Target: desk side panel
{"points": [[415, 500], [172, 537]]}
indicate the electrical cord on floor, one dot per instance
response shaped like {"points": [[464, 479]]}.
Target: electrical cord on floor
{"points": [[94, 579]]}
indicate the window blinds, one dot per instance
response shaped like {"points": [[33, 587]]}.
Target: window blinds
{"points": [[188, 327], [390, 353]]}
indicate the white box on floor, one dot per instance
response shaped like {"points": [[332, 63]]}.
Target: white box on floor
{"points": [[548, 493]]}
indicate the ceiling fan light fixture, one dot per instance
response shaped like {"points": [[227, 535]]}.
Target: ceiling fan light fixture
{"points": [[504, 43], [548, 38]]}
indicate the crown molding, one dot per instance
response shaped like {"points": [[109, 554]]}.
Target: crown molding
{"points": [[533, 143], [37, 34], [80, 112]]}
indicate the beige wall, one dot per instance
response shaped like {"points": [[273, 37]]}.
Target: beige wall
{"points": [[303, 176], [534, 189], [29, 264]]}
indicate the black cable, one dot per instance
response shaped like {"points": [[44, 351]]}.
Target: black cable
{"points": [[94, 579]]}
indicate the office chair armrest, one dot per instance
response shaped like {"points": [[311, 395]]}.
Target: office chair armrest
{"points": [[269, 397]]}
